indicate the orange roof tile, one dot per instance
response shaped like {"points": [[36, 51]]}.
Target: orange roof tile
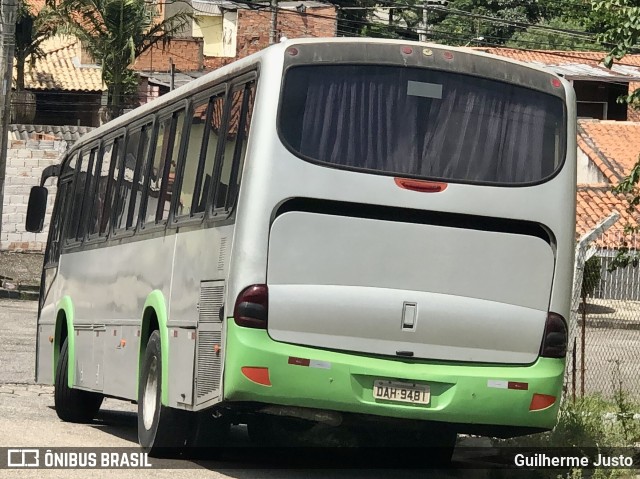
{"points": [[574, 65], [60, 69], [557, 57], [597, 202], [613, 146]]}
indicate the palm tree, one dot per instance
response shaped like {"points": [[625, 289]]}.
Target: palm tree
{"points": [[31, 30], [115, 33]]}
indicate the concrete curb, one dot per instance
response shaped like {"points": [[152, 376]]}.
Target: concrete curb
{"points": [[24, 295]]}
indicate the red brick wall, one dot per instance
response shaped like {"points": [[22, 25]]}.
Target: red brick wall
{"points": [[254, 26], [185, 52]]}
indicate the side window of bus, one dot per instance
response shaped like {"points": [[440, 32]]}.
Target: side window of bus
{"points": [[157, 167], [75, 210], [132, 172], [163, 167], [177, 132], [139, 176], [85, 215], [112, 152], [101, 175], [234, 147], [204, 179], [189, 168], [63, 197]]}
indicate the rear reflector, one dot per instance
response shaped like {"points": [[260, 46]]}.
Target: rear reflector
{"points": [[420, 185], [541, 401], [257, 375], [299, 361], [518, 386], [252, 307], [554, 340]]}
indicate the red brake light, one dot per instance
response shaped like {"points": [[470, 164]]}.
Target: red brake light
{"points": [[252, 307], [554, 340]]}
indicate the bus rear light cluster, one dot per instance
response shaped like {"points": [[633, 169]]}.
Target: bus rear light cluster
{"points": [[554, 340], [252, 306]]}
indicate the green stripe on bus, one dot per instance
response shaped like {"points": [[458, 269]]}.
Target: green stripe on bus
{"points": [[66, 305], [155, 301]]}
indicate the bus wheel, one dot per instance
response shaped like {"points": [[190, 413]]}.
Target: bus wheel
{"points": [[73, 405], [162, 431]]}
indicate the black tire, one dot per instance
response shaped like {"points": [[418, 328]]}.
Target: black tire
{"points": [[73, 405], [162, 431]]}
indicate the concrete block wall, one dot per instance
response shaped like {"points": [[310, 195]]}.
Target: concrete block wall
{"points": [[25, 162]]}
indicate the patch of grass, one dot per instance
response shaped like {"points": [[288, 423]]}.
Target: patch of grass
{"points": [[586, 427]]}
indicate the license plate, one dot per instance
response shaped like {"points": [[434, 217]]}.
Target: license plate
{"points": [[401, 392]]}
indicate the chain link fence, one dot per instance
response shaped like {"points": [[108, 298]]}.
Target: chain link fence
{"points": [[604, 339]]}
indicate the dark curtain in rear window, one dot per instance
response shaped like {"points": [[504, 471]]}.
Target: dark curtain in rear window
{"points": [[419, 122]]}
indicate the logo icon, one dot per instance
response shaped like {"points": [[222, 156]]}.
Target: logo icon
{"points": [[23, 458]]}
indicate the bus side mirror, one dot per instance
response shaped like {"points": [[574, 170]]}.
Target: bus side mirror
{"points": [[36, 209]]}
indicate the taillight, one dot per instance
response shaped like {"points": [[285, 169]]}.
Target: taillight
{"points": [[554, 340], [252, 307]]}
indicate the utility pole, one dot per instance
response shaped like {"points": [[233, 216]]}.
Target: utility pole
{"points": [[172, 71], [425, 21], [8, 12], [274, 22]]}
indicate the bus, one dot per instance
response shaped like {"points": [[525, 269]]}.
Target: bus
{"points": [[372, 236]]}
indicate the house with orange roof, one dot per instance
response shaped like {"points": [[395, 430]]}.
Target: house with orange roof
{"points": [[607, 151], [597, 87], [67, 85]]}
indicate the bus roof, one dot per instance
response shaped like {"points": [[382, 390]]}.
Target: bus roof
{"points": [[276, 49]]}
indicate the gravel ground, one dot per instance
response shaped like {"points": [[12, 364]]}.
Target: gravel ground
{"points": [[23, 268]]}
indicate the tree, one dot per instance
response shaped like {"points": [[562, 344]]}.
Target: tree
{"points": [[463, 21], [115, 33], [31, 31], [534, 37], [619, 25]]}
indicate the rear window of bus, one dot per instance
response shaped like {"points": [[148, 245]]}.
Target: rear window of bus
{"points": [[416, 122]]}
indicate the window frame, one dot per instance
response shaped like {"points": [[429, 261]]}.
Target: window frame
{"points": [[240, 83], [117, 231], [209, 95], [87, 203], [115, 138], [58, 214], [76, 242], [160, 116]]}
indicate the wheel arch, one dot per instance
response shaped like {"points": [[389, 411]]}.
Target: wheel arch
{"points": [[154, 317], [64, 329]]}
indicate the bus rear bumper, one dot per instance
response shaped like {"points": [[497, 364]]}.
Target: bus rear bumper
{"points": [[470, 395]]}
